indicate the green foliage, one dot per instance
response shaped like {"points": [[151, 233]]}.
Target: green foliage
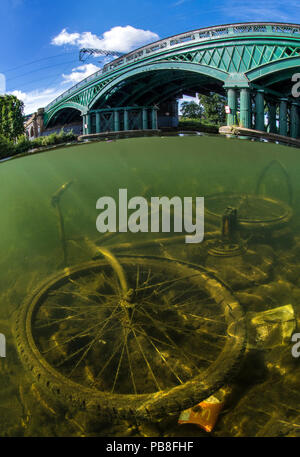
{"points": [[11, 117], [23, 144], [214, 108], [196, 125], [210, 110], [6, 147], [191, 110], [37, 142], [53, 139]]}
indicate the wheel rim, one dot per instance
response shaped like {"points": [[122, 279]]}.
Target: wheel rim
{"points": [[254, 211], [169, 331]]}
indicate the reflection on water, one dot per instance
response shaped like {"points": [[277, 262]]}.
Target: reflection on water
{"points": [[165, 324]]}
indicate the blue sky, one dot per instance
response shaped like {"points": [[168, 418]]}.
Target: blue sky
{"points": [[40, 40]]}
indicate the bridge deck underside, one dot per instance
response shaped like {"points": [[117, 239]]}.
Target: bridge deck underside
{"points": [[157, 87]]}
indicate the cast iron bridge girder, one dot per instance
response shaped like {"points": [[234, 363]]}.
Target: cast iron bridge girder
{"points": [[257, 51]]}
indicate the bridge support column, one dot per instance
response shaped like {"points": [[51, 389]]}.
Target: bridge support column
{"points": [[154, 118], [245, 107], [272, 117], [84, 130], [232, 103], [283, 126], [294, 120], [259, 110], [98, 125], [126, 120], [116, 121], [145, 119], [89, 124]]}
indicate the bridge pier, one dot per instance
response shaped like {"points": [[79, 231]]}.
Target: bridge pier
{"points": [[294, 127], [154, 118], [232, 103], [248, 100], [126, 120], [117, 119], [245, 108], [283, 112], [88, 122], [84, 124], [272, 116], [259, 110], [98, 122], [145, 119]]}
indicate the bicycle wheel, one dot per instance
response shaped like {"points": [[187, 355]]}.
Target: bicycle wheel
{"points": [[253, 211], [174, 339]]}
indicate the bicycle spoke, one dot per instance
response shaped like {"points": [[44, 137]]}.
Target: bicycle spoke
{"points": [[180, 351], [80, 334], [146, 360], [119, 365], [163, 358], [130, 367], [92, 342]]}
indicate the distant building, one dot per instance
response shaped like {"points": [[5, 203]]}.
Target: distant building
{"points": [[34, 124]]}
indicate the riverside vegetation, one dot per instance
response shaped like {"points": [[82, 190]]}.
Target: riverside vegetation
{"points": [[10, 148]]}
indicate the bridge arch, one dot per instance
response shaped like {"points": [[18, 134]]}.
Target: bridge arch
{"points": [[64, 113], [275, 68], [188, 68]]}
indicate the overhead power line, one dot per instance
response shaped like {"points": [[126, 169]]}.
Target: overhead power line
{"points": [[36, 61], [40, 69], [85, 53]]}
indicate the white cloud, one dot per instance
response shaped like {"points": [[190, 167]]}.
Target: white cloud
{"points": [[41, 97], [65, 38], [79, 73], [122, 39], [37, 98]]}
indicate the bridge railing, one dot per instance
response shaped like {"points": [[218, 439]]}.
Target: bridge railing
{"points": [[198, 35]]}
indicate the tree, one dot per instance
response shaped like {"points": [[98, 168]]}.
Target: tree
{"points": [[213, 107], [11, 117], [191, 110]]}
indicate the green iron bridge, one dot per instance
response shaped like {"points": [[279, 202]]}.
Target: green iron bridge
{"points": [[252, 64]]}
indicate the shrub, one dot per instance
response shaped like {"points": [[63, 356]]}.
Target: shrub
{"points": [[23, 144], [37, 142], [51, 139], [195, 124], [6, 147], [70, 136]]}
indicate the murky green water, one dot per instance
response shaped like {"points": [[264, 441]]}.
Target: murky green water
{"points": [[264, 396]]}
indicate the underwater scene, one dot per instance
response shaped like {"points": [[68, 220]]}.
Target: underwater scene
{"points": [[141, 333]]}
